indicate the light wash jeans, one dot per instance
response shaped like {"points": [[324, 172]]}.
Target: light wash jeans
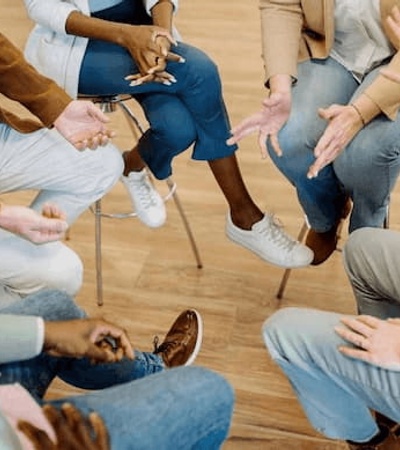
{"points": [[337, 393], [44, 161], [190, 111], [176, 409], [366, 170]]}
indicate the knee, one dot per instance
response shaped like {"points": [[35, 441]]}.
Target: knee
{"points": [[355, 247], [278, 329], [112, 168], [54, 304], [64, 272]]}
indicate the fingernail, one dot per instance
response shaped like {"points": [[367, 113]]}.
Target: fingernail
{"points": [[182, 60], [167, 83], [173, 79]]}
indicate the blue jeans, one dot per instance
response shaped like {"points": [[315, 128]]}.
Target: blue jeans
{"points": [[373, 155], [191, 111], [36, 374], [336, 392], [178, 409]]}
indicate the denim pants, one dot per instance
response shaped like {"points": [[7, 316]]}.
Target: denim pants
{"points": [[366, 170], [43, 161], [183, 408], [190, 111], [336, 392]]}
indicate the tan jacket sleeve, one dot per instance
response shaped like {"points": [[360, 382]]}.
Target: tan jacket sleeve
{"points": [[19, 81]]}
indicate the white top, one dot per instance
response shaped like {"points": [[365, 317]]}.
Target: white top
{"points": [[51, 50], [360, 43]]}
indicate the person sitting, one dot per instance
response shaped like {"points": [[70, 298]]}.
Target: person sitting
{"points": [[330, 119], [126, 47], [142, 404], [345, 370], [45, 152]]}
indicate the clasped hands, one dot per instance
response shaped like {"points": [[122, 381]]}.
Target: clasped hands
{"points": [[150, 48]]}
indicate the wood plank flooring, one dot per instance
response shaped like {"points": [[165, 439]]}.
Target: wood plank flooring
{"points": [[150, 275]]}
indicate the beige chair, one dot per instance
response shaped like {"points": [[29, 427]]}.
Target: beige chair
{"points": [[110, 104], [301, 238]]}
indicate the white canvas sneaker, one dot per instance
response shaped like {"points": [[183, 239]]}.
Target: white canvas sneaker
{"points": [[146, 201], [269, 241]]}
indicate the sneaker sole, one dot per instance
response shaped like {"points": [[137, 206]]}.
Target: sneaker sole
{"points": [[238, 240]]}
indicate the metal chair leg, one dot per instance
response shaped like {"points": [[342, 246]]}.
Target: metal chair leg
{"points": [[287, 272], [172, 188], [99, 268]]}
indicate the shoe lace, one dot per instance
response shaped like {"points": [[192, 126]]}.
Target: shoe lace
{"points": [[272, 228], [145, 192], [165, 349]]}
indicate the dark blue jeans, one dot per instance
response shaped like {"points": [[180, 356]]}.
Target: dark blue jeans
{"points": [[191, 111]]}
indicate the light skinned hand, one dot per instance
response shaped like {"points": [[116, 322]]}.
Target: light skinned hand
{"points": [[343, 124], [267, 122], [376, 341], [37, 228], [86, 338], [83, 124], [150, 46], [72, 429]]}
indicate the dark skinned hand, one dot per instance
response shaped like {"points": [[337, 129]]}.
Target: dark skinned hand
{"points": [[72, 429]]}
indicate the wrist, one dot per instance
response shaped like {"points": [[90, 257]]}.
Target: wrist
{"points": [[281, 84]]}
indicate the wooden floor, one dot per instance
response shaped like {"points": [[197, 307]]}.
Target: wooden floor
{"points": [[150, 275]]}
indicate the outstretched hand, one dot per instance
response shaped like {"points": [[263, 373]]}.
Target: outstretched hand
{"points": [[73, 431], [376, 341], [87, 338], [267, 122], [33, 226], [83, 124]]}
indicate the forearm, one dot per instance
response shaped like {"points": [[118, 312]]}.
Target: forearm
{"points": [[162, 14], [21, 82], [81, 25]]}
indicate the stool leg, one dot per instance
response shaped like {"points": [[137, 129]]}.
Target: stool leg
{"points": [[99, 269], [287, 272], [172, 188]]}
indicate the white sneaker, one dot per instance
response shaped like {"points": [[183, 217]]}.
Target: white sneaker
{"points": [[269, 241], [146, 201]]}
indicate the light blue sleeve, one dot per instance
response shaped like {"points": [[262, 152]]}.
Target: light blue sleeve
{"points": [[22, 337]]}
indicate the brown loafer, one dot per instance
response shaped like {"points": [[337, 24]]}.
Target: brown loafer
{"points": [[324, 244]]}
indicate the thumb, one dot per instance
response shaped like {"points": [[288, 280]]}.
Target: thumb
{"points": [[328, 113], [96, 113]]}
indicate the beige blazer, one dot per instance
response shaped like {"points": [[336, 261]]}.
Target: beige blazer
{"points": [[296, 30]]}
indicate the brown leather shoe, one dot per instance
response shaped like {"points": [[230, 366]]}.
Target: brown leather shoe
{"points": [[183, 341], [391, 442], [324, 244]]}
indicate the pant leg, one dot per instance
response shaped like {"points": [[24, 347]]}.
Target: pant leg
{"points": [[36, 374], [179, 409], [46, 162], [319, 85], [196, 112], [336, 392], [372, 155], [371, 260]]}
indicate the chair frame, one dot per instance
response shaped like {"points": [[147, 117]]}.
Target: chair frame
{"points": [[109, 104]]}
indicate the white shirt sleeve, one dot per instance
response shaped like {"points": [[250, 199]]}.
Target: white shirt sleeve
{"points": [[22, 337]]}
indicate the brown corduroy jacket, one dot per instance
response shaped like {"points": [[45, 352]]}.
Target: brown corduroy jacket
{"points": [[20, 82], [296, 30]]}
